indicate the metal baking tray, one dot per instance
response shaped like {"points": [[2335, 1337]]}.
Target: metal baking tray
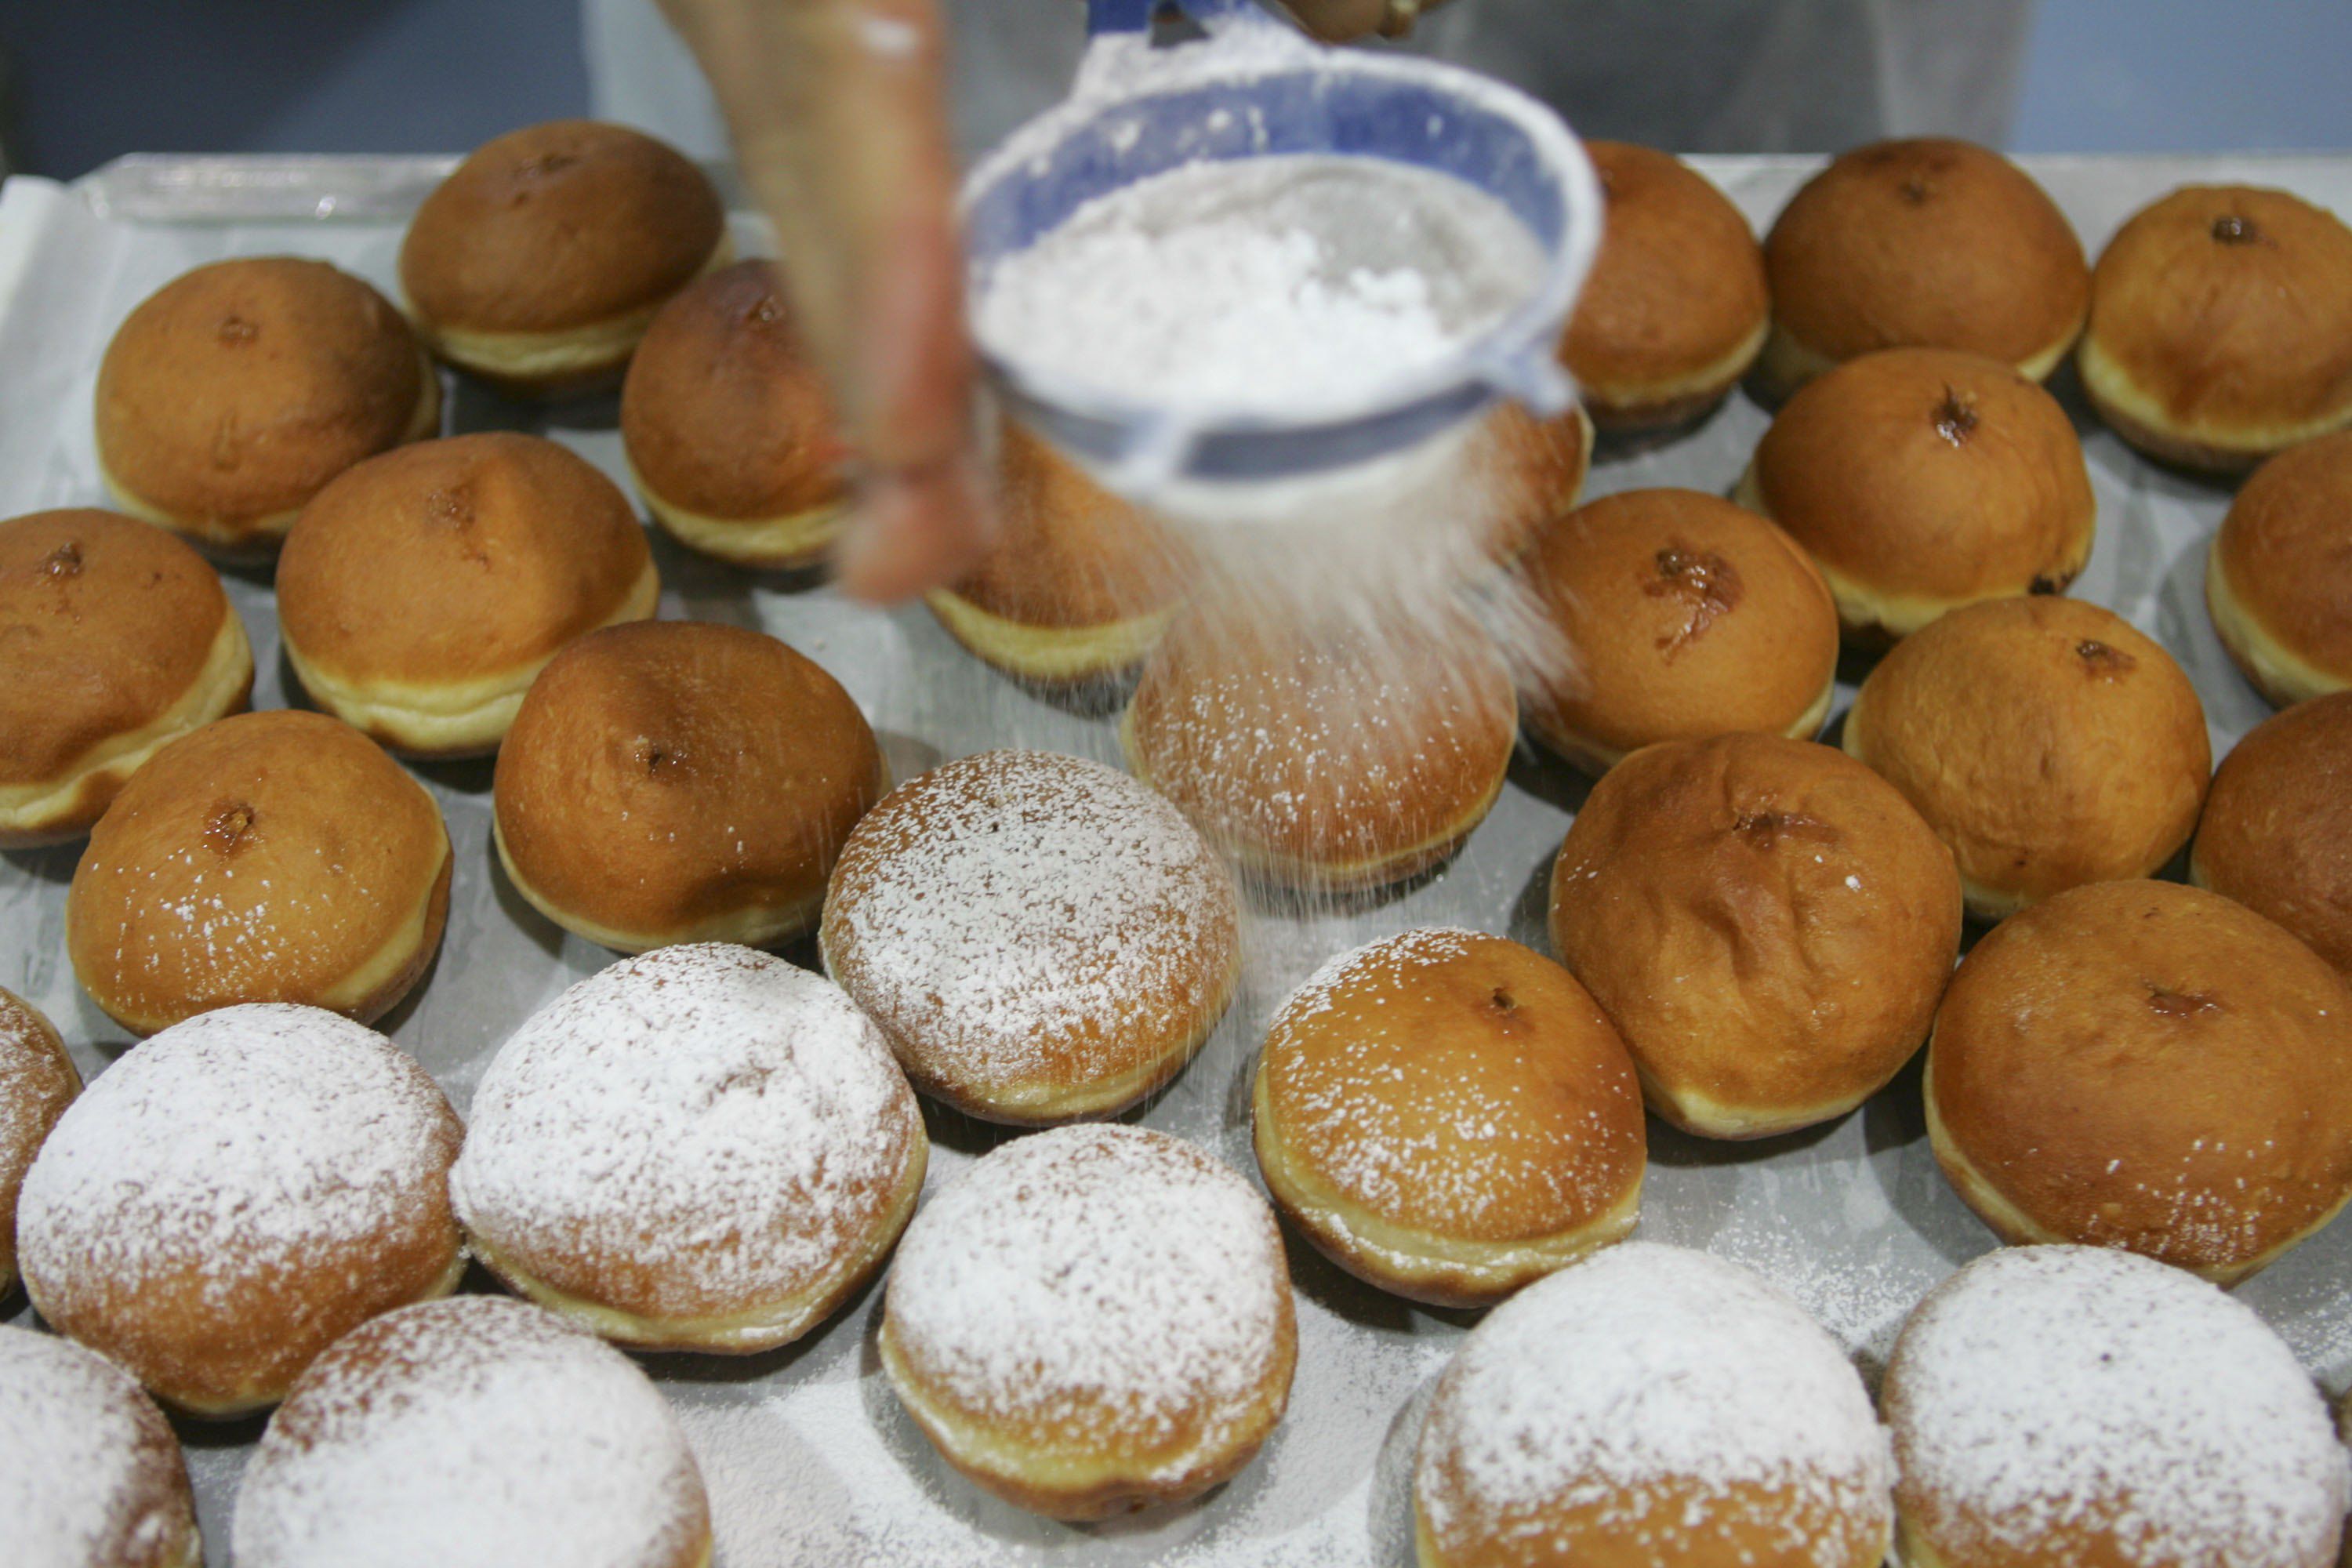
{"points": [[808, 1457]]}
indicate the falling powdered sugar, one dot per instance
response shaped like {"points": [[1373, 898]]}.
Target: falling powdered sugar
{"points": [[1649, 1373], [2046, 1396], [1274, 285], [241, 1144], [473, 1432], [89, 1471], [706, 1123], [1106, 1277]]}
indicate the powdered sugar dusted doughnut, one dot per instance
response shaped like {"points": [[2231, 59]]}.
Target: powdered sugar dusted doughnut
{"points": [[1449, 1116], [472, 1432], [2055, 1406], [1651, 1405], [38, 1080], [230, 1197], [701, 1149], [1093, 1320], [1040, 937], [89, 1472]]}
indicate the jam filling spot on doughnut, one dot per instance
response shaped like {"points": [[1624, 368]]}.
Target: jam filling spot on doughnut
{"points": [[767, 310], [2173, 1003], [231, 828], [2230, 228], [1706, 584], [234, 329], [65, 561], [1955, 417], [655, 755], [2103, 661], [1504, 1002]]}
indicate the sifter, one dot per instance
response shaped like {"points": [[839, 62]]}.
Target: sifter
{"points": [[1138, 111]]}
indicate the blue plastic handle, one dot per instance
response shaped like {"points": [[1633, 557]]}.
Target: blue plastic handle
{"points": [[1135, 15]]}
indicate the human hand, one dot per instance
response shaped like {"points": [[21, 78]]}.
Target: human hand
{"points": [[1336, 21], [838, 113]]}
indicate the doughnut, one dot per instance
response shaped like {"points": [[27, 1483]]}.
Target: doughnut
{"points": [[2276, 835], [2061, 1406], [37, 1081], [681, 781], [1650, 1405], [118, 639], [1524, 474], [1449, 1116], [2278, 578], [1078, 584], [730, 431], [2222, 327], [1092, 1320], [277, 857], [90, 1474], [2146, 1065], [1922, 243], [475, 1432], [1331, 758], [421, 591], [2046, 741], [1039, 937], [1767, 923], [232, 394], [230, 1197], [544, 256], [1671, 615], [756, 1152], [1676, 308], [1920, 480]]}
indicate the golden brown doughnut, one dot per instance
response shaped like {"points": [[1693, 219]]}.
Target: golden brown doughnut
{"points": [[681, 781], [231, 394], [118, 640], [90, 1474], [1078, 584], [475, 1432], [1925, 242], [1921, 480], [1521, 474], [2222, 327], [2278, 578], [2046, 741], [757, 1152], [2146, 1065], [1325, 757], [1449, 1116], [542, 258], [277, 857], [730, 431], [420, 592], [1650, 1407], [1676, 308], [1671, 616], [2276, 835], [1093, 1320], [1767, 923], [2060, 1407], [37, 1081], [1040, 937], [226, 1200]]}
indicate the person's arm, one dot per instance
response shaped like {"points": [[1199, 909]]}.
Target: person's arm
{"points": [[838, 112]]}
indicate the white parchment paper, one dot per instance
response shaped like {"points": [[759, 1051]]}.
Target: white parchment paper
{"points": [[808, 1456]]}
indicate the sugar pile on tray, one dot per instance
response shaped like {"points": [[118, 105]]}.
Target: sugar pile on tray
{"points": [[1274, 285]]}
